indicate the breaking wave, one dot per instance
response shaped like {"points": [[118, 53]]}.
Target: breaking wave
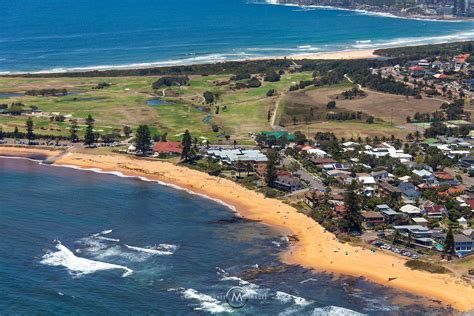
{"points": [[78, 266], [204, 302]]}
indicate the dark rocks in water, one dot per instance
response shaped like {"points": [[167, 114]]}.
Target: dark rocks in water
{"points": [[252, 274], [293, 238], [235, 220]]}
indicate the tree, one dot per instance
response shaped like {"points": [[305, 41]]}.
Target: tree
{"points": [[143, 139], [209, 97], [73, 131], [331, 105], [449, 243], [16, 133], [187, 146], [127, 130], [272, 76], [370, 120], [271, 174], [351, 219], [89, 137], [29, 130]]}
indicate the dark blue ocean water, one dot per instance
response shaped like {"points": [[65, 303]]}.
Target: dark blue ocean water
{"points": [[78, 242], [50, 35]]}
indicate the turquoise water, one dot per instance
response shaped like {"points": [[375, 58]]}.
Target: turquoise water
{"points": [[78, 242], [60, 35]]}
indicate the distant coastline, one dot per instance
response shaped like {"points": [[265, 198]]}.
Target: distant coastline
{"points": [[336, 55], [372, 10]]}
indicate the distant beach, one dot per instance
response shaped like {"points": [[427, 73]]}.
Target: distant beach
{"points": [[315, 249]]}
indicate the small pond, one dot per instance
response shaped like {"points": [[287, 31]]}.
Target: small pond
{"points": [[6, 95], [156, 101]]}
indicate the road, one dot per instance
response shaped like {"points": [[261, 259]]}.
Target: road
{"points": [[313, 181]]}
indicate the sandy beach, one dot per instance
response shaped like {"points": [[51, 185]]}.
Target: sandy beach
{"points": [[316, 248], [349, 54]]}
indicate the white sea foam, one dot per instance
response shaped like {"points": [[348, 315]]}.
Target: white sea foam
{"points": [[286, 298], [78, 266], [334, 311], [151, 250], [205, 302]]}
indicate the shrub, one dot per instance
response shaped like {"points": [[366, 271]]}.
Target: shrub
{"points": [[426, 266]]}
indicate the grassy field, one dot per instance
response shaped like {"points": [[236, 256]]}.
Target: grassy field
{"points": [[241, 111], [124, 102], [350, 129], [387, 107]]}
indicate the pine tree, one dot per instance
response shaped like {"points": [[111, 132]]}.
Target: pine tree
{"points": [[187, 144], [271, 174], [351, 220], [73, 130], [89, 137], [143, 139], [449, 243], [29, 130]]}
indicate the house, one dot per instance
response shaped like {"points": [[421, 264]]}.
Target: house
{"points": [[388, 213], [288, 183], [462, 222], [467, 162], [368, 183], [409, 190], [469, 233], [371, 219], [168, 148], [453, 190], [241, 159], [463, 245], [344, 179], [132, 149], [337, 173], [425, 175], [316, 152], [277, 136], [389, 191], [445, 178], [313, 198], [410, 210], [340, 210], [435, 211], [320, 162], [381, 175], [420, 235], [420, 221]]}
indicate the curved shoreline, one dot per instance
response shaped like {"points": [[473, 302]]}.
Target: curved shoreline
{"points": [[316, 249]]}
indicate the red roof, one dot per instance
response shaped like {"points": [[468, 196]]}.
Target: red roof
{"points": [[453, 190], [443, 175], [470, 202], [340, 208], [283, 173], [168, 148], [434, 209], [416, 68]]}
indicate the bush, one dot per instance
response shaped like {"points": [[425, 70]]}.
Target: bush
{"points": [[169, 81], [254, 83], [271, 92], [272, 76], [426, 266]]}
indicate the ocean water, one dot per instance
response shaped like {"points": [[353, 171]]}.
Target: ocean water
{"points": [[52, 35], [78, 242]]}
